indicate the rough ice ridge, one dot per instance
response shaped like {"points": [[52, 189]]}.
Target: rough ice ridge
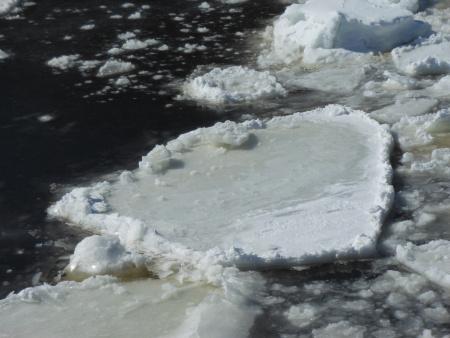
{"points": [[430, 57], [244, 242], [232, 85], [353, 25]]}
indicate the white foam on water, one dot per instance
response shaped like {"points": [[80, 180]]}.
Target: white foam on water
{"points": [[254, 194]]}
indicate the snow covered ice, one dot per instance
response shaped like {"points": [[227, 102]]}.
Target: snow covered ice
{"points": [[352, 25], [253, 194], [232, 85]]}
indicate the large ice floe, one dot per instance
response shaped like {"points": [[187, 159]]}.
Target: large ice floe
{"points": [[301, 189], [344, 26], [102, 307], [234, 84]]}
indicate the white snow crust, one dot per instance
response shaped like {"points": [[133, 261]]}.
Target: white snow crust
{"points": [[252, 194], [352, 25], [232, 85]]}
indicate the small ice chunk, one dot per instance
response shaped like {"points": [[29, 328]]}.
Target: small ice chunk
{"points": [[135, 16], [232, 85], [431, 260], [114, 67], [135, 44], [64, 62], [104, 255], [204, 6], [45, 118], [87, 27], [126, 35], [122, 81], [404, 107], [420, 130], [341, 329], [3, 55], [157, 161], [302, 315], [431, 57]]}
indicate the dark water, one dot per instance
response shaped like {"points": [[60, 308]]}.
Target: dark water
{"points": [[92, 134]]}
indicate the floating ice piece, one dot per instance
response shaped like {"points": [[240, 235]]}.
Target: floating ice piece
{"points": [[431, 260], [431, 57], [421, 130], [404, 106], [438, 164], [135, 44], [3, 55], [147, 308], [64, 62], [252, 194], [232, 85], [341, 329], [354, 25], [115, 67], [7, 5], [104, 255]]}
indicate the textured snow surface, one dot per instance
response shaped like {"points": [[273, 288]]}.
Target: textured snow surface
{"points": [[431, 260], [431, 57], [102, 307], [253, 194], [232, 85], [353, 25]]}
